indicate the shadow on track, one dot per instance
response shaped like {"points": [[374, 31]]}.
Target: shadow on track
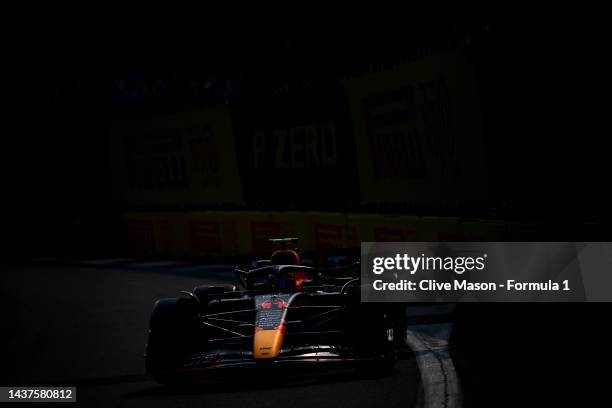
{"points": [[270, 380]]}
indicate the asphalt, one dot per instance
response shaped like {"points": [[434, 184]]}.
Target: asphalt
{"points": [[86, 326]]}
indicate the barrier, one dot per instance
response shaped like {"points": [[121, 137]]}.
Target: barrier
{"points": [[233, 233]]}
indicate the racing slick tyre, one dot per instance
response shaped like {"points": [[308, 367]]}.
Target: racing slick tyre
{"points": [[173, 334], [386, 359], [383, 339]]}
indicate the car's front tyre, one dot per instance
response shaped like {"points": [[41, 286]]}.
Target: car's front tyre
{"points": [[173, 333]]}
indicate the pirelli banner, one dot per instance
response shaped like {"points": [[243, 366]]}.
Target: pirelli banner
{"points": [[297, 148], [187, 158], [232, 233], [418, 132]]}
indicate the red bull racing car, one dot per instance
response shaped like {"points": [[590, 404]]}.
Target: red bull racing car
{"points": [[281, 313]]}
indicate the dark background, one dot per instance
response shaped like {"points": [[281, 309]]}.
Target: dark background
{"points": [[547, 156]]}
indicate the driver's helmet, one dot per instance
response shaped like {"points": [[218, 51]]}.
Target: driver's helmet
{"points": [[285, 257], [286, 254]]}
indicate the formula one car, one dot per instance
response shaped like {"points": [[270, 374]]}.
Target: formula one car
{"points": [[282, 314]]}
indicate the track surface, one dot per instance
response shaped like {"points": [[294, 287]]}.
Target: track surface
{"points": [[86, 326]]}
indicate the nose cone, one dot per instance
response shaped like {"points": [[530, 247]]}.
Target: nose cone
{"points": [[270, 324], [268, 343]]}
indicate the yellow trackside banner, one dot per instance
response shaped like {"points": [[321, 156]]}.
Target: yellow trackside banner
{"points": [[182, 159], [231, 233], [418, 131], [148, 233]]}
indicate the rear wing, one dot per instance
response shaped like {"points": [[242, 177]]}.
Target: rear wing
{"points": [[279, 241]]}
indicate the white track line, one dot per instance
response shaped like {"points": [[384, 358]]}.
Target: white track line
{"points": [[107, 261], [155, 264], [441, 387]]}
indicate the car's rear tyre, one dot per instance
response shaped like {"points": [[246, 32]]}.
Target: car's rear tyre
{"points": [[173, 334], [379, 343]]}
